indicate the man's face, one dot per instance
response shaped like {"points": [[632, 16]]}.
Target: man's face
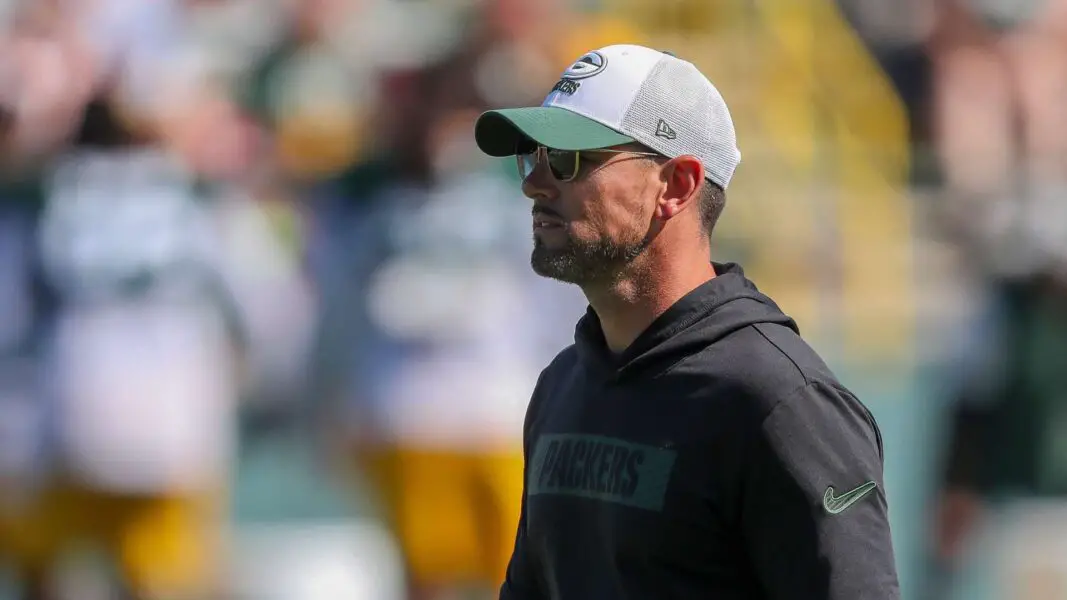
{"points": [[588, 229]]}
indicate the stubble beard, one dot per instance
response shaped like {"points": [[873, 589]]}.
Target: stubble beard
{"points": [[581, 263]]}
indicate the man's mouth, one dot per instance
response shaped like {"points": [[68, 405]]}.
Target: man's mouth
{"points": [[543, 220], [540, 224]]}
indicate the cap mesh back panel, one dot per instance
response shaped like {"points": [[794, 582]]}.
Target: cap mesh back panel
{"points": [[676, 93]]}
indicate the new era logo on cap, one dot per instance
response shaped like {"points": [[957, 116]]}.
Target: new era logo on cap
{"points": [[623, 94], [664, 130]]}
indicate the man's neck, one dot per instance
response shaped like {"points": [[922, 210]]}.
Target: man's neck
{"points": [[629, 304]]}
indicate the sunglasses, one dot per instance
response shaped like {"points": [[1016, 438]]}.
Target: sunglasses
{"points": [[565, 165]]}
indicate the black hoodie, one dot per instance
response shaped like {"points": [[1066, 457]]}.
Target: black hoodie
{"points": [[716, 458]]}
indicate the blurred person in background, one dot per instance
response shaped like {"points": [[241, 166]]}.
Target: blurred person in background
{"points": [[1000, 127], [43, 93], [139, 357], [23, 301], [234, 135], [433, 327]]}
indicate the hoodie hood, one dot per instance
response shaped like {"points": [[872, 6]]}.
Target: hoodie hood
{"points": [[719, 307]]}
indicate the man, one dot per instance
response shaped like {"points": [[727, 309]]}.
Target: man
{"points": [[689, 444]]}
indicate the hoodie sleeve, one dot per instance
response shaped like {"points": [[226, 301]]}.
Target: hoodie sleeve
{"points": [[814, 514], [521, 582]]}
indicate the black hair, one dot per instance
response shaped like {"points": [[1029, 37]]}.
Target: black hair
{"points": [[712, 203]]}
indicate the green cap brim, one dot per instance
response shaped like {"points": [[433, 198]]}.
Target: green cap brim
{"points": [[503, 132]]}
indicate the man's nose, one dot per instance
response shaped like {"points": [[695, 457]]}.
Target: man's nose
{"points": [[539, 184]]}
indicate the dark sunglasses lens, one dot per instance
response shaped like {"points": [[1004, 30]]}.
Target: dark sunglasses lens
{"points": [[564, 164], [526, 163]]}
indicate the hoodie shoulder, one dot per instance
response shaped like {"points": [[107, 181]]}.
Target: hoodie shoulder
{"points": [[560, 368], [765, 362]]}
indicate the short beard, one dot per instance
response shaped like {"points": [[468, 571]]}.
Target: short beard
{"points": [[584, 262]]}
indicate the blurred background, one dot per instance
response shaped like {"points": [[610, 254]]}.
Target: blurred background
{"points": [[268, 329]]}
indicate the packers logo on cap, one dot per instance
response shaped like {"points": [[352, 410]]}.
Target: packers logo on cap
{"points": [[588, 65]]}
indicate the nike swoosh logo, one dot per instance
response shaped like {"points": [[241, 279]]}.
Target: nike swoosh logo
{"points": [[839, 504]]}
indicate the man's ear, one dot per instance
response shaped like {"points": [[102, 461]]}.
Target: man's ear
{"points": [[682, 179]]}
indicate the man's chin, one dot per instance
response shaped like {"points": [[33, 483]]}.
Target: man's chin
{"points": [[557, 265], [581, 265]]}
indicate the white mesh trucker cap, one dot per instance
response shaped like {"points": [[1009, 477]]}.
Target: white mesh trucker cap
{"points": [[619, 95]]}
